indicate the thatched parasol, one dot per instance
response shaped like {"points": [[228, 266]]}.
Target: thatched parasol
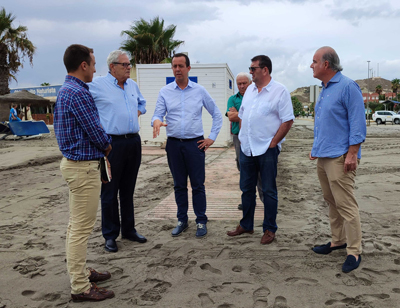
{"points": [[23, 98]]}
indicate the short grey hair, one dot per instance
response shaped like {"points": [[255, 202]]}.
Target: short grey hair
{"points": [[114, 55], [331, 56], [242, 74]]}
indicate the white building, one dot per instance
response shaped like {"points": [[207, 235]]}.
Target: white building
{"points": [[216, 78]]}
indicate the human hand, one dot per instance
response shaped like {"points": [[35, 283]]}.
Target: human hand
{"points": [[350, 162], [312, 157], [205, 143], [156, 127]]}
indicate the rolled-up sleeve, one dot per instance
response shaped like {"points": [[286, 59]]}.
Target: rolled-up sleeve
{"points": [[356, 114]]}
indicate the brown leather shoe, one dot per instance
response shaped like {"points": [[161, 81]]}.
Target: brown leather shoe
{"points": [[268, 237], [239, 230], [98, 276], [95, 294]]}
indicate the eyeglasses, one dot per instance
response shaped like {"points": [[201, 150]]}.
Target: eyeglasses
{"points": [[123, 64], [253, 68]]}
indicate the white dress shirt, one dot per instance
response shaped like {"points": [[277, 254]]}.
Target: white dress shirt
{"points": [[262, 113]]}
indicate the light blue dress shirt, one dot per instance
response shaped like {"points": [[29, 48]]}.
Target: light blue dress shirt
{"points": [[118, 108], [183, 110], [339, 118]]}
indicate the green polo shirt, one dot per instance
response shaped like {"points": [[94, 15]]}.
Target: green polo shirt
{"points": [[234, 101]]}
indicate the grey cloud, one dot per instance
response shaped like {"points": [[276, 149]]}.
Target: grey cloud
{"points": [[356, 14], [116, 10]]}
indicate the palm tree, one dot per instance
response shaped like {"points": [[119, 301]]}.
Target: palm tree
{"points": [[149, 42], [14, 47], [379, 90], [395, 86]]}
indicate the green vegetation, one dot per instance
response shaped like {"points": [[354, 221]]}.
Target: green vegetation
{"points": [[14, 47], [297, 106], [149, 42], [395, 85]]}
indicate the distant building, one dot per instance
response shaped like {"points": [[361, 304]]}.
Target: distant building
{"points": [[216, 78], [374, 97]]}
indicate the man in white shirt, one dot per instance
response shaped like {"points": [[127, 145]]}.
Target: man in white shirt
{"points": [[266, 116]]}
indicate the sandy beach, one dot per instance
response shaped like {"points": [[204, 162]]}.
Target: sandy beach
{"points": [[217, 271]]}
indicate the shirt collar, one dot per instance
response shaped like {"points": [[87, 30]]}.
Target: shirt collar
{"points": [[113, 79], [335, 79], [238, 95], [267, 87], [189, 85], [76, 80]]}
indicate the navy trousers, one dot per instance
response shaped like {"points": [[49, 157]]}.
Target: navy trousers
{"points": [[125, 158], [186, 159], [250, 168]]}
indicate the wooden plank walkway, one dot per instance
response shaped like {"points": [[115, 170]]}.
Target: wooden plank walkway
{"points": [[222, 190]]}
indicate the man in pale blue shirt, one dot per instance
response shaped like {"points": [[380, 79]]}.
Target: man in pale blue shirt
{"points": [[266, 117], [182, 102], [120, 104], [339, 130]]}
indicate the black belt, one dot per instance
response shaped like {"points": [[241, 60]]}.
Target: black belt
{"points": [[126, 136], [182, 140]]}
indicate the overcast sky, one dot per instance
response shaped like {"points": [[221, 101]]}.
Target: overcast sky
{"points": [[288, 31]]}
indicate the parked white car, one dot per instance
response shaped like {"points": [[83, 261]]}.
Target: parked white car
{"points": [[383, 116]]}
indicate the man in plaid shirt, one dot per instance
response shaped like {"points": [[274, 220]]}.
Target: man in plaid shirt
{"points": [[82, 141]]}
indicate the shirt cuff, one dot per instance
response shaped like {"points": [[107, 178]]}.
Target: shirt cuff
{"points": [[155, 118], [356, 140], [212, 136]]}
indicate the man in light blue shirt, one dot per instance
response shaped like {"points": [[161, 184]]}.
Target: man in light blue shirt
{"points": [[339, 130], [182, 102], [120, 103], [266, 116]]}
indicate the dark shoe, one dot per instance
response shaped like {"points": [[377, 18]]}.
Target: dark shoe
{"points": [[95, 294], [98, 276], [111, 246], [240, 207], [239, 230], [201, 230], [325, 249], [181, 227], [351, 263], [268, 237], [135, 237]]}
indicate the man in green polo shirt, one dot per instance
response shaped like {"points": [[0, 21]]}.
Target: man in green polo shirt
{"points": [[243, 80]]}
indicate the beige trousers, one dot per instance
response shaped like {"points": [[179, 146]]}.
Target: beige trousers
{"points": [[83, 179], [338, 191]]}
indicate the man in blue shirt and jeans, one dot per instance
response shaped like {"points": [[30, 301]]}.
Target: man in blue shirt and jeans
{"points": [[339, 130], [182, 102], [82, 141]]}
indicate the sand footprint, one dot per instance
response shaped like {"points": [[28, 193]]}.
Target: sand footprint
{"points": [[237, 268], [206, 300], [189, 269], [302, 281], [260, 297], [280, 302], [208, 267]]}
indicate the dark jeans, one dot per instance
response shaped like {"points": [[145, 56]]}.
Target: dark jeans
{"points": [[250, 167], [125, 158], [186, 159]]}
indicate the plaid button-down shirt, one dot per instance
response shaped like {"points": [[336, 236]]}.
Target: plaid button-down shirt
{"points": [[77, 127]]}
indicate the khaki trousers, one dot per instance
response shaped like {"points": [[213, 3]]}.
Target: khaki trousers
{"points": [[338, 191], [83, 179]]}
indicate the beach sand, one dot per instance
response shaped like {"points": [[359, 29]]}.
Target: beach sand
{"points": [[217, 271]]}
